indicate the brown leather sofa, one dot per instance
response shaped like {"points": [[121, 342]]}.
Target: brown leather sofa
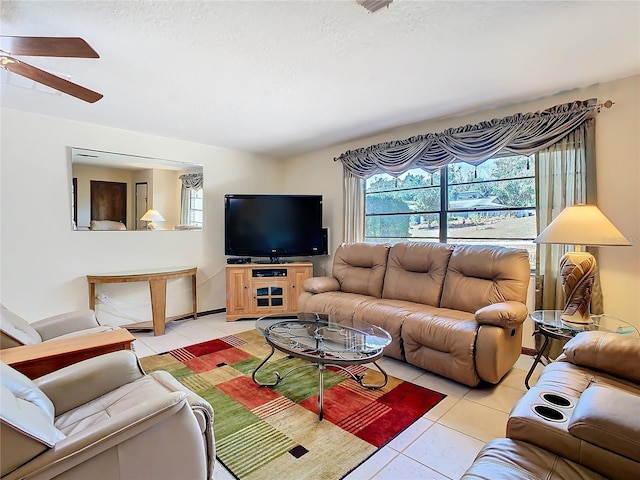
{"points": [[580, 421], [456, 311], [103, 418]]}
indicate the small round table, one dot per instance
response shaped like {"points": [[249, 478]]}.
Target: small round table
{"points": [[323, 340], [551, 326]]}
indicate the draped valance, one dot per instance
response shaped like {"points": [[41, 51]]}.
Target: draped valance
{"points": [[523, 133], [191, 180]]}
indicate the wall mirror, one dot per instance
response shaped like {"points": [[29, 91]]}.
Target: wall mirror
{"points": [[114, 191]]}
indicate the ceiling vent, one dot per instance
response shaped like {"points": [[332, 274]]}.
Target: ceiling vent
{"points": [[374, 5]]}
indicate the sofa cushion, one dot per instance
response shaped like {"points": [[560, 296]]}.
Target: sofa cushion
{"points": [[479, 275], [389, 315], [609, 418], [360, 267], [333, 303], [415, 272], [506, 459], [611, 353], [441, 341], [17, 328]]}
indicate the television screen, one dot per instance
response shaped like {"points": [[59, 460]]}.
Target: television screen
{"points": [[273, 225]]}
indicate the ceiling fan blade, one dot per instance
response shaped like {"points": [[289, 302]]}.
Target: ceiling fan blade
{"points": [[47, 47], [46, 78]]}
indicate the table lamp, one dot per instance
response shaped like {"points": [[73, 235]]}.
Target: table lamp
{"points": [[152, 216], [579, 225]]}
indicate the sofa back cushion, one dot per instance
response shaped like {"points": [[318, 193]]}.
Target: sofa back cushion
{"points": [[16, 329], [480, 275], [26, 420], [360, 267], [416, 271]]}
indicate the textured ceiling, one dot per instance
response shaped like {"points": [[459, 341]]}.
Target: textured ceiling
{"points": [[285, 77]]}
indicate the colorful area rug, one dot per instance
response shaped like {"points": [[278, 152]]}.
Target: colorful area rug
{"points": [[274, 432]]}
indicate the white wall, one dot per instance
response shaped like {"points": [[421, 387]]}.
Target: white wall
{"points": [[44, 263], [618, 164]]}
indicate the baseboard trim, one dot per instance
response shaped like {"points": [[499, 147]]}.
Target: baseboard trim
{"points": [[529, 351], [206, 312]]}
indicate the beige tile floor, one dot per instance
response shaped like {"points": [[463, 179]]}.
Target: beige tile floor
{"points": [[441, 445]]}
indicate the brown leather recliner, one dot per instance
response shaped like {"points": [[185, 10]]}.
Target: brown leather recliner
{"points": [[103, 418], [16, 331], [580, 421]]}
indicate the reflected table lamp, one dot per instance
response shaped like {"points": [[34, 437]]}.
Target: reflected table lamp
{"points": [[579, 225], [152, 216]]}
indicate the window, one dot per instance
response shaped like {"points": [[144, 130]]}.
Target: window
{"points": [[194, 211], [493, 203]]}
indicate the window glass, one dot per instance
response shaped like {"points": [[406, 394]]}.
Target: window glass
{"points": [[493, 203]]}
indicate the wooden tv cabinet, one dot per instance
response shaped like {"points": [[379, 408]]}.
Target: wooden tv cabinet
{"points": [[256, 289]]}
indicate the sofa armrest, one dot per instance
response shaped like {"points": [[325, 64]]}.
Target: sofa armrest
{"points": [[613, 353], [84, 381], [102, 435], [508, 314], [608, 417], [321, 285], [64, 323]]}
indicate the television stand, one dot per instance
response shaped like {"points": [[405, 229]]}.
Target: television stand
{"points": [[258, 289]]}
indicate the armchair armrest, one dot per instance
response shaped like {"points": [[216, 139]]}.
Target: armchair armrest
{"points": [[608, 417], [321, 285], [82, 382], [64, 323], [508, 314], [101, 436], [613, 353]]}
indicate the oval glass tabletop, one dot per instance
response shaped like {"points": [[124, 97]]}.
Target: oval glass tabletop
{"points": [[322, 336]]}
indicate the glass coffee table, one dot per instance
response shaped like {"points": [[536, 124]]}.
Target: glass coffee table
{"points": [[323, 340], [551, 326]]}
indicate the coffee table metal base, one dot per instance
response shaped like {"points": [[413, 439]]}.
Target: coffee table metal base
{"points": [[321, 366]]}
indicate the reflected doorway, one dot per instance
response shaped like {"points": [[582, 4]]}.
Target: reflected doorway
{"points": [[109, 201], [142, 204]]}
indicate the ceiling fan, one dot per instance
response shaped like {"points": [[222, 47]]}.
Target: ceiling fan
{"points": [[47, 47]]}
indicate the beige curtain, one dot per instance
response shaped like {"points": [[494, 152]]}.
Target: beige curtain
{"points": [[565, 175], [353, 199]]}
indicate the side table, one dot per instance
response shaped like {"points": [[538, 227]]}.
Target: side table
{"points": [[551, 326], [42, 358]]}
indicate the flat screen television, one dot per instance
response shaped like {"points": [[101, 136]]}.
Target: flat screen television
{"points": [[273, 226]]}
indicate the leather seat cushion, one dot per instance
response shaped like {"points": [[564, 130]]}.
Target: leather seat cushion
{"points": [[110, 405], [389, 315], [334, 303], [506, 459]]}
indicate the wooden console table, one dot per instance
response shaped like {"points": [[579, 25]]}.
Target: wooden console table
{"points": [[46, 357], [158, 288]]}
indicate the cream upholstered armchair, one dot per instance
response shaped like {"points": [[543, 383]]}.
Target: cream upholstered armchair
{"points": [[103, 418], [16, 331]]}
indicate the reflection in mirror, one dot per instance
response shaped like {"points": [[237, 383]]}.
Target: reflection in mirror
{"points": [[113, 191]]}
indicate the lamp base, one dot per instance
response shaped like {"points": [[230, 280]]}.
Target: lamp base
{"points": [[151, 226], [578, 272]]}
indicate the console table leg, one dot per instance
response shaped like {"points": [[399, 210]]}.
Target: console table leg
{"points": [[158, 290]]}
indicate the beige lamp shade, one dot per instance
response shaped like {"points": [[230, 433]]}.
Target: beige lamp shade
{"points": [[151, 216], [580, 225]]}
